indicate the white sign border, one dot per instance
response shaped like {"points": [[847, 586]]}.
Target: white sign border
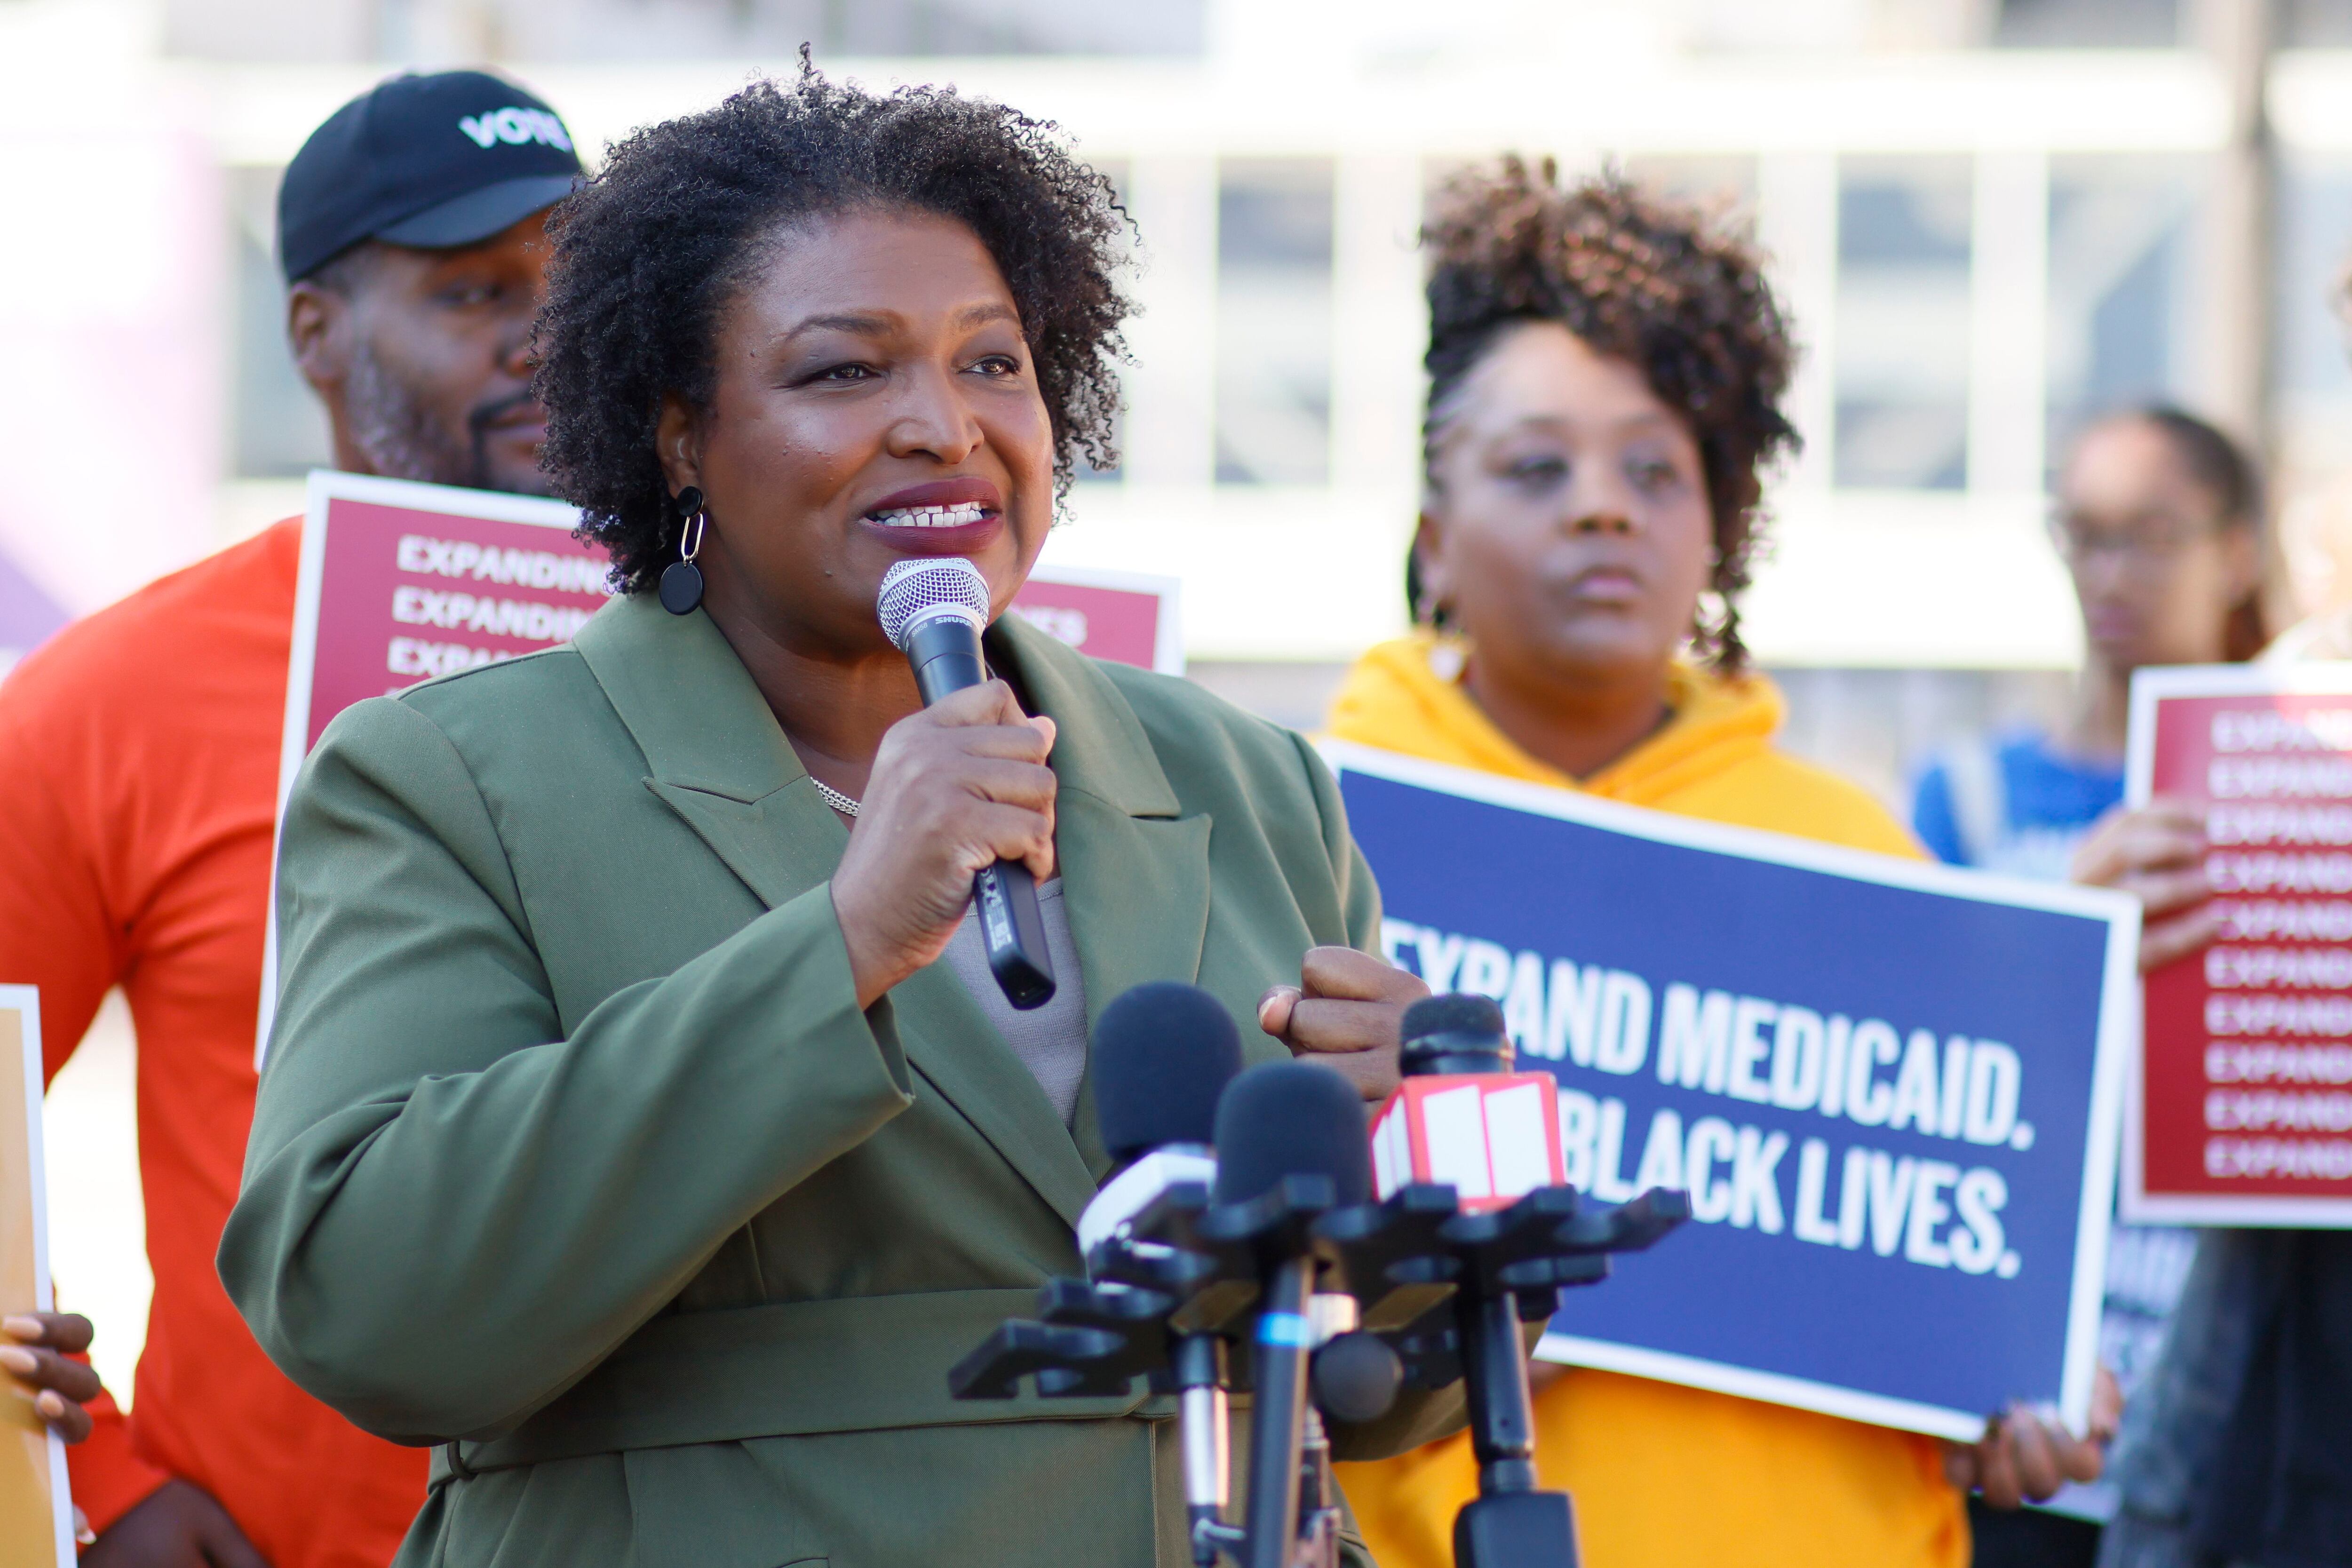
{"points": [[325, 487], [2118, 990], [25, 1001], [2149, 688]]}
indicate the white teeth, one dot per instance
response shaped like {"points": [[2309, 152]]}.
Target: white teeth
{"points": [[930, 516]]}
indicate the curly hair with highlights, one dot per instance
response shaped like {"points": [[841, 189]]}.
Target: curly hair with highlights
{"points": [[649, 253], [1670, 290]]}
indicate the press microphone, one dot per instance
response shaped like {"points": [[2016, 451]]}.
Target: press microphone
{"points": [[1461, 1116], [1164, 1053], [1277, 1123], [933, 609]]}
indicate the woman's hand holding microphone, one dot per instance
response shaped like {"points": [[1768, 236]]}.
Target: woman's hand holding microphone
{"points": [[954, 788], [964, 782]]}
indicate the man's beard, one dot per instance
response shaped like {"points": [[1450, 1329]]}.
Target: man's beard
{"points": [[403, 441]]}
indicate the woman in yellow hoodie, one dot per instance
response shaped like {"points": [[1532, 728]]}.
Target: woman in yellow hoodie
{"points": [[1605, 377]]}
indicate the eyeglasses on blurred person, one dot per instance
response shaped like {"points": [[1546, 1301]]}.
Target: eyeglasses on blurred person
{"points": [[1606, 376], [139, 754], [2159, 519]]}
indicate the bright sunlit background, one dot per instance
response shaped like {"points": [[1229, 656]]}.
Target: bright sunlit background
{"points": [[1992, 219]]}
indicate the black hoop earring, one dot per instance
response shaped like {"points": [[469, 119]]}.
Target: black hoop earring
{"points": [[681, 580]]}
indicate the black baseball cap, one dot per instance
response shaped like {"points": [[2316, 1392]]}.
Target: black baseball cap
{"points": [[433, 161]]}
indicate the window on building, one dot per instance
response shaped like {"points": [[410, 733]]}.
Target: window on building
{"points": [[2120, 301], [1274, 322], [1901, 337]]}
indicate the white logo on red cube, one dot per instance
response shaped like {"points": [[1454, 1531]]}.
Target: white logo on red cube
{"points": [[1492, 1137]]}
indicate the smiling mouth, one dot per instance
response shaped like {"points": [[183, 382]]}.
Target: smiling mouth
{"points": [[962, 515]]}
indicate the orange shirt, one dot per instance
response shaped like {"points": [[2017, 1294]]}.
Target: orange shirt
{"points": [[138, 771]]}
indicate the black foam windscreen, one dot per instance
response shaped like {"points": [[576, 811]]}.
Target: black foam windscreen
{"points": [[1454, 1035], [1292, 1119], [1457, 1014], [1164, 1053]]}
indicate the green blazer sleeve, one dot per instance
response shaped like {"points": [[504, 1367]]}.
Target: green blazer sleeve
{"points": [[431, 1135], [1360, 896]]}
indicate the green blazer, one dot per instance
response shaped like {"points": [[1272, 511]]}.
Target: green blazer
{"points": [[576, 1156]]}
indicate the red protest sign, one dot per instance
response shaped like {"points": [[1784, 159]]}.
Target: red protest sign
{"points": [[2240, 1109], [1126, 618], [404, 582]]}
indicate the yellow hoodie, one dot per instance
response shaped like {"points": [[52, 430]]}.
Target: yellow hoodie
{"points": [[1666, 1477]]}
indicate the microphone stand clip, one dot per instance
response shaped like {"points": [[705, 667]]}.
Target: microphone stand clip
{"points": [[1175, 1289]]}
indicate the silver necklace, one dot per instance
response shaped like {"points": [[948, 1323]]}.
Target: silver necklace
{"points": [[834, 797]]}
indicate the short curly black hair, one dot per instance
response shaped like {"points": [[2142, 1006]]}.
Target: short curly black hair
{"points": [[1660, 285], [648, 253]]}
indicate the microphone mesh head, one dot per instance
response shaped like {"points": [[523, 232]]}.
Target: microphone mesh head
{"points": [[1292, 1119], [1164, 1053], [924, 585]]}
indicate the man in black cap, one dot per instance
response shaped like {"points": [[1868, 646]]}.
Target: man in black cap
{"points": [[411, 230], [139, 751]]}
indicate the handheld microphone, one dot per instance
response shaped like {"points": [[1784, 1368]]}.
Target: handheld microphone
{"points": [[1277, 1124], [1164, 1054], [933, 609]]}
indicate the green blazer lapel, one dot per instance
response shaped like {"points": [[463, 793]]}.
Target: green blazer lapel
{"points": [[720, 761], [1135, 876], [718, 756], [951, 1042]]}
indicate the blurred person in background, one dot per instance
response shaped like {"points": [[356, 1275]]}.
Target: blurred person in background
{"points": [[2159, 519], [1606, 374], [138, 754], [2236, 1449]]}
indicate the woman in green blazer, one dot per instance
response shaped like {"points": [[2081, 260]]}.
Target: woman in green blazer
{"points": [[630, 1132]]}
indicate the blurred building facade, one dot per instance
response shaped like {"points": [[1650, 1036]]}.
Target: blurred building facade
{"points": [[1992, 219]]}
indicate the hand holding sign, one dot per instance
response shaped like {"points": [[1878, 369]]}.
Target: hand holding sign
{"points": [[2027, 1454], [35, 1352], [2156, 854]]}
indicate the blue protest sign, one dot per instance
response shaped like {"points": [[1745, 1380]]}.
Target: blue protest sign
{"points": [[1892, 1089]]}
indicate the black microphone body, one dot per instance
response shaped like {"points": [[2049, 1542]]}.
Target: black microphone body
{"points": [[1164, 1054], [944, 649], [1284, 1130], [1285, 1340]]}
